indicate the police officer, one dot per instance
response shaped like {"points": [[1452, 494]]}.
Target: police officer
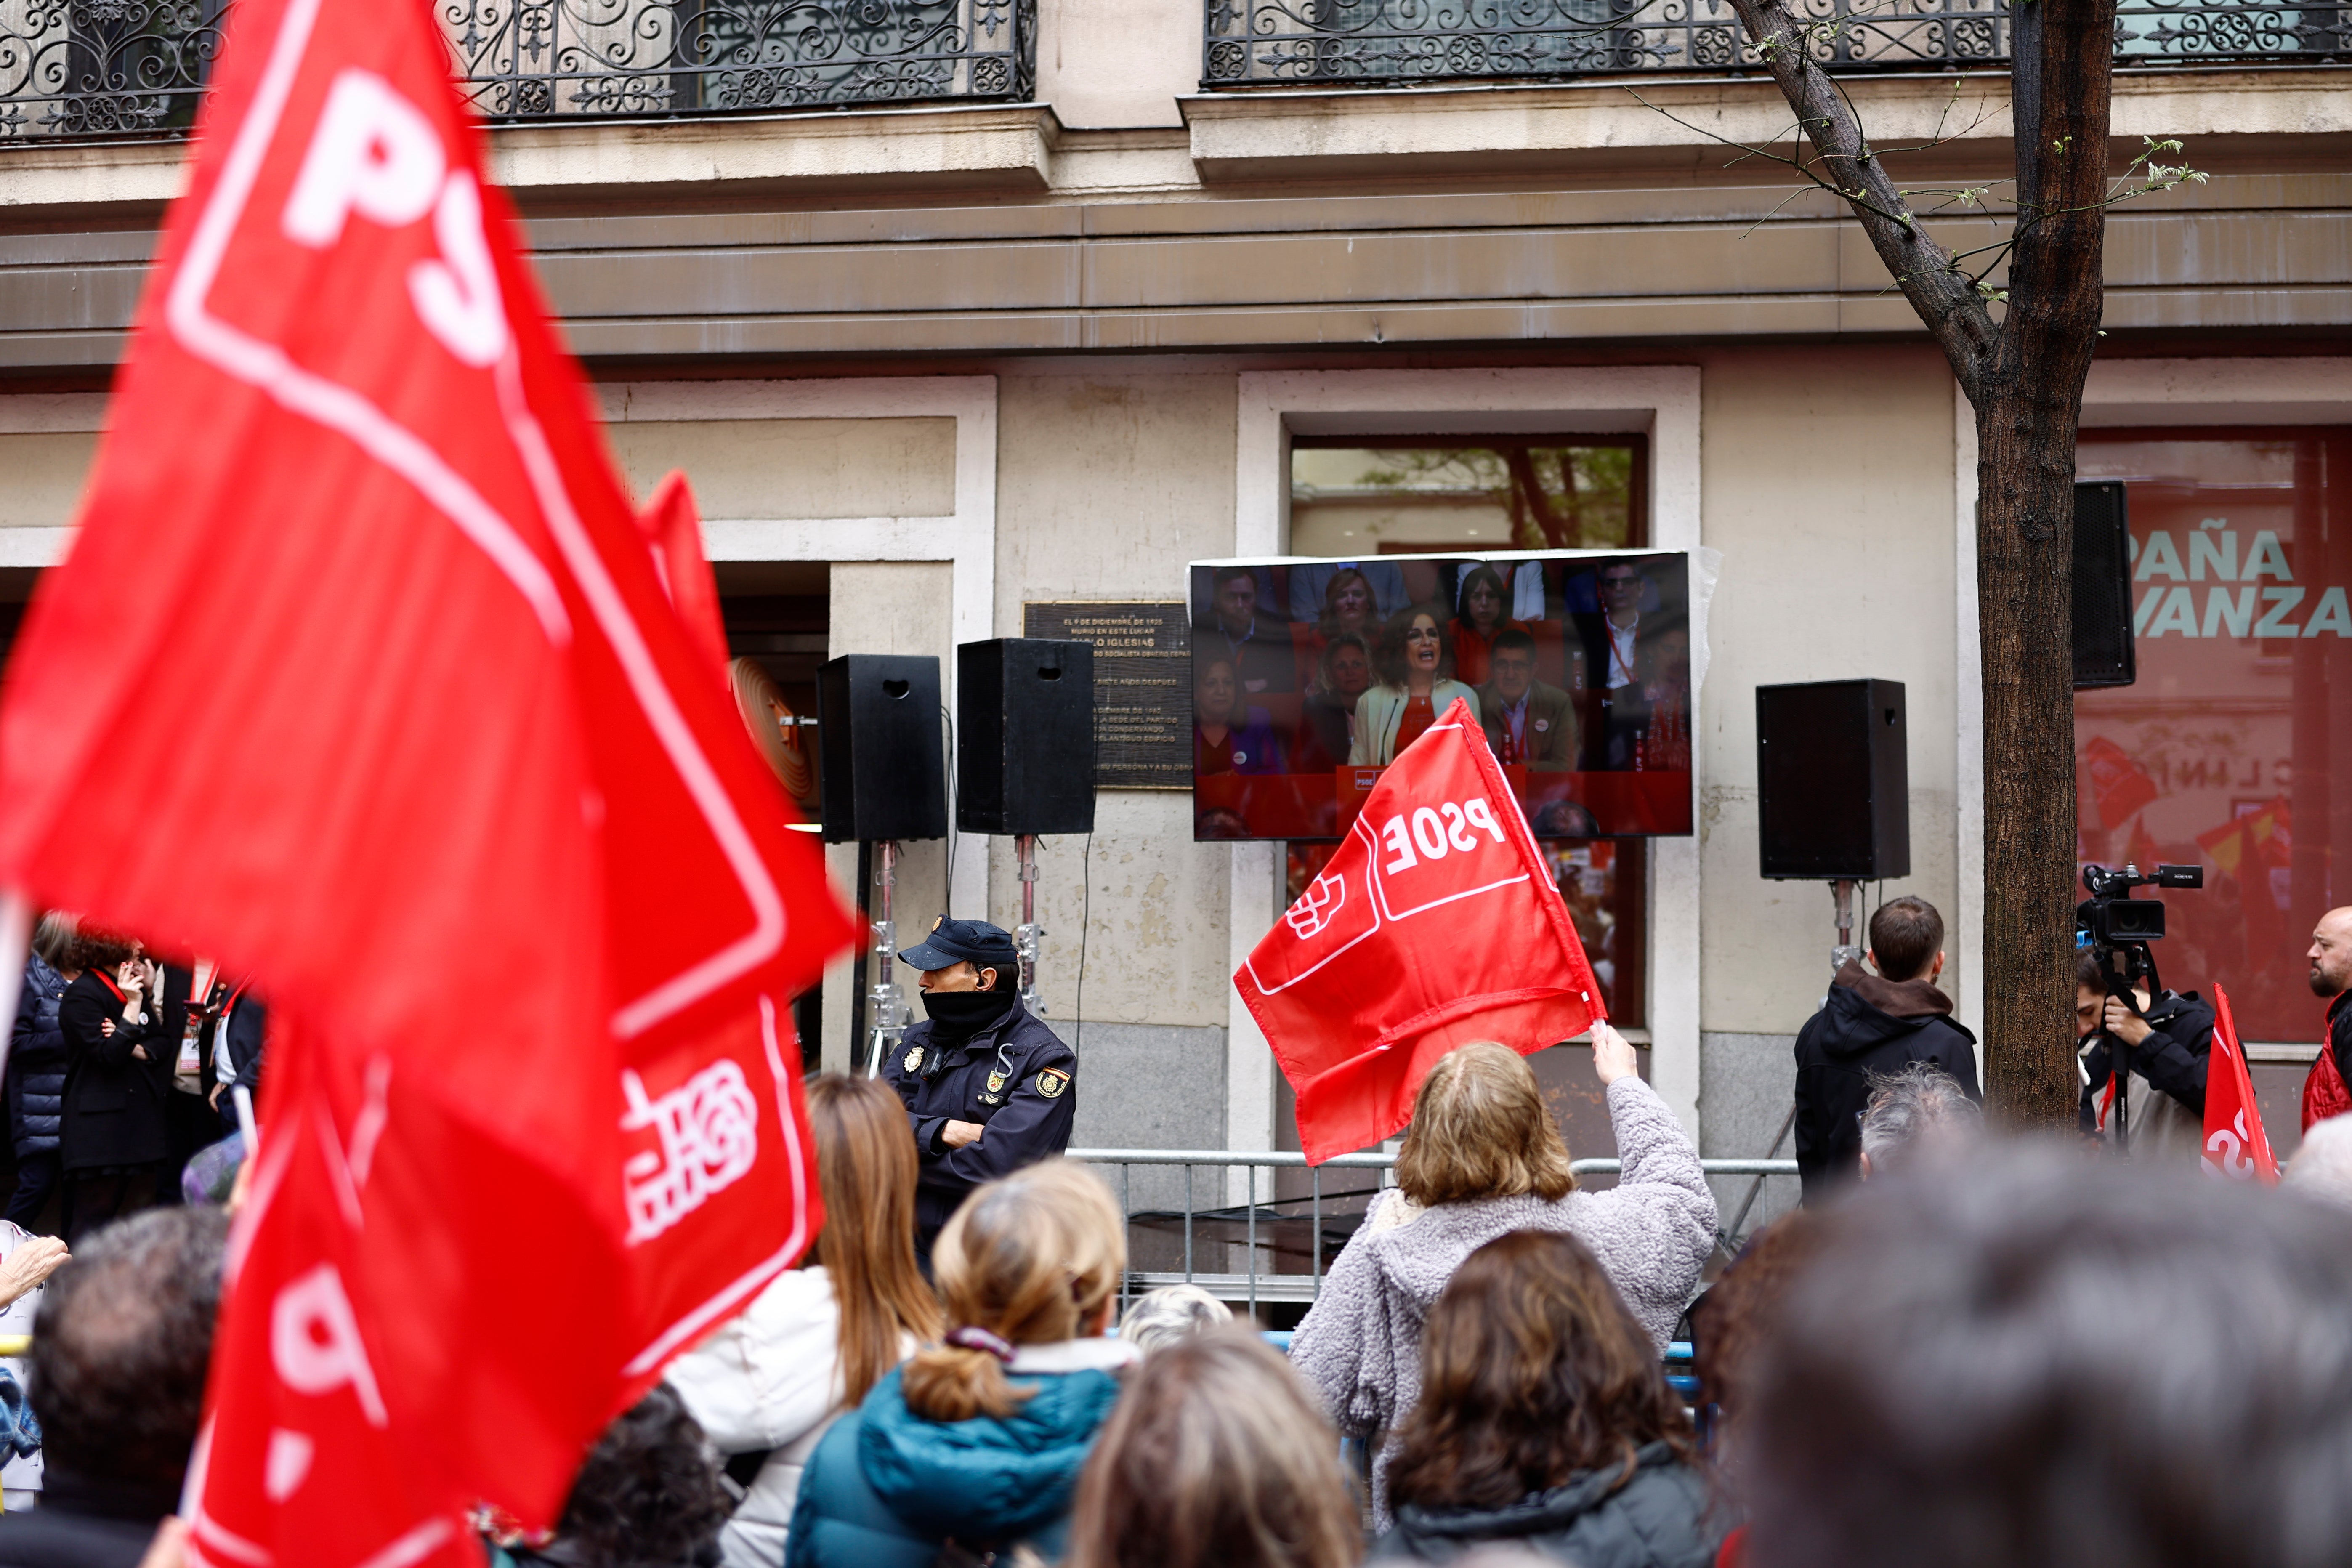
{"points": [[989, 1088]]}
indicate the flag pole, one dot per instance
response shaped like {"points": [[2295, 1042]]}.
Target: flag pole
{"points": [[15, 941]]}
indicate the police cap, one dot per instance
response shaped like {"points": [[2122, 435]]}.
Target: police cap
{"points": [[951, 942]]}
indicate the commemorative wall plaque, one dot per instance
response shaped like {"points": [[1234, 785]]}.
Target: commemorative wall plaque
{"points": [[1143, 694]]}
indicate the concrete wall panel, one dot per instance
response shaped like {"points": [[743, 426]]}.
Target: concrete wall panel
{"points": [[45, 472], [1828, 486], [1107, 486], [760, 468], [1113, 63]]}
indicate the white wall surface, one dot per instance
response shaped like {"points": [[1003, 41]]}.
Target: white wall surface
{"points": [[1829, 488], [1107, 486]]}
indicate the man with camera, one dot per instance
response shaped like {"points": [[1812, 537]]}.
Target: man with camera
{"points": [[2171, 1037], [1871, 1027]]}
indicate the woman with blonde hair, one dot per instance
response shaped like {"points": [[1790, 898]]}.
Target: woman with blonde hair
{"points": [[1215, 1459], [975, 1445], [813, 1344], [1482, 1157]]}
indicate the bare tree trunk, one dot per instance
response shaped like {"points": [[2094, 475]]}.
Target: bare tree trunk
{"points": [[2024, 377], [2028, 410]]}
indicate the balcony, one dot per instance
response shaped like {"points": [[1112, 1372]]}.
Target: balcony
{"points": [[108, 69], [1391, 43]]}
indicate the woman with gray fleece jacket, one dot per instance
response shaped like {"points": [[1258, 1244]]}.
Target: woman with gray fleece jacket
{"points": [[1483, 1157]]}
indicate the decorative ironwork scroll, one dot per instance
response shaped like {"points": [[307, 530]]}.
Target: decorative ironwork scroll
{"points": [[94, 68], [1372, 42]]}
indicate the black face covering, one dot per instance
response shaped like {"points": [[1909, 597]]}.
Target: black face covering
{"points": [[957, 1015]]}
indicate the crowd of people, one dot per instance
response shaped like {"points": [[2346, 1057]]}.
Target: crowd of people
{"points": [[1962, 1351], [121, 1068]]}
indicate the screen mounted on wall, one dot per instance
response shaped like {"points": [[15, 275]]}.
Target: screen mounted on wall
{"points": [[1309, 675]]}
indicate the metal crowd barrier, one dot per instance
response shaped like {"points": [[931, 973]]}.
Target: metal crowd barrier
{"points": [[1284, 1243]]}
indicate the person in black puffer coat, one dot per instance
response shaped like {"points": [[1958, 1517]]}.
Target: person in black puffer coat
{"points": [[36, 1068], [1546, 1422], [1869, 1027]]}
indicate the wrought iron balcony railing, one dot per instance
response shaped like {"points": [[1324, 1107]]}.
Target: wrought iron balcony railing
{"points": [[104, 67], [1372, 43]]}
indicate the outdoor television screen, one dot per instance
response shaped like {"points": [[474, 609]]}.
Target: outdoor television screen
{"points": [[1309, 675]]}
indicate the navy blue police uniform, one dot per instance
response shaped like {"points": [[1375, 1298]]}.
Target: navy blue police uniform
{"points": [[1011, 1074]]}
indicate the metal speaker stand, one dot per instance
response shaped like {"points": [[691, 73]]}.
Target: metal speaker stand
{"points": [[1026, 938], [886, 1007], [1842, 889]]}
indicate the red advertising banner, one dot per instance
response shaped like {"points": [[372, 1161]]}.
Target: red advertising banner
{"points": [[2231, 752]]}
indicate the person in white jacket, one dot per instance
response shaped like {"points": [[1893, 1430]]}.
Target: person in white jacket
{"points": [[810, 1345]]}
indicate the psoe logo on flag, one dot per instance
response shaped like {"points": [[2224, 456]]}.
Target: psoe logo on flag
{"points": [[709, 1132], [1326, 921], [1318, 906]]}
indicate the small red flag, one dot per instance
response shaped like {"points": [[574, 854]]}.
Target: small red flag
{"points": [[361, 677], [2235, 1144], [1436, 923], [673, 529]]}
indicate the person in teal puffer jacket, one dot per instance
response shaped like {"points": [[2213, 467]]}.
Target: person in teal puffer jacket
{"points": [[977, 1443]]}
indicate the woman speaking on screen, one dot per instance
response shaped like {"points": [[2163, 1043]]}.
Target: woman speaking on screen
{"points": [[1416, 686]]}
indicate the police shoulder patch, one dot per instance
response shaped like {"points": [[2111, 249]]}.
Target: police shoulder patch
{"points": [[914, 1062], [1052, 1082]]}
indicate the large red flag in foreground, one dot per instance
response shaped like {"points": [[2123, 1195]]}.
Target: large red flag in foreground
{"points": [[1436, 923], [359, 677], [2235, 1143]]}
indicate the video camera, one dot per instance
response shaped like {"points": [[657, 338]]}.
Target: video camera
{"points": [[2108, 918]]}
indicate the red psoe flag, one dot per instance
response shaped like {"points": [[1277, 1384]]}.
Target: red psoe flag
{"points": [[1435, 924], [361, 677], [2235, 1144]]}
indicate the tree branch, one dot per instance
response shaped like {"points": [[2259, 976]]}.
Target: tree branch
{"points": [[1944, 297]]}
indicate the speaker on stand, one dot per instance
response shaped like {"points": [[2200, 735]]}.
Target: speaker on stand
{"points": [[885, 781], [1025, 758], [1832, 789]]}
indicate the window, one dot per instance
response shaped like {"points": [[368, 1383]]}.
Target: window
{"points": [[2225, 754], [1428, 495], [1421, 494]]}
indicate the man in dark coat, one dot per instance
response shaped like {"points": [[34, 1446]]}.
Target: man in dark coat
{"points": [[2172, 1040], [1526, 720], [988, 1086], [120, 1052], [1232, 629], [121, 1349], [1619, 643], [1875, 1025], [233, 1041], [36, 1071]]}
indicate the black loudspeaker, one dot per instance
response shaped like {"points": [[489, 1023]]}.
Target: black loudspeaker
{"points": [[2103, 653], [1833, 787], [885, 773], [1026, 736]]}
